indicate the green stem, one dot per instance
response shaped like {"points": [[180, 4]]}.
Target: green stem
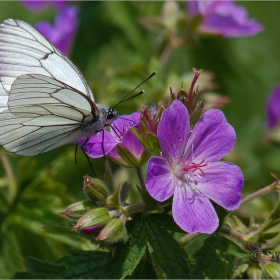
{"points": [[134, 208], [189, 238], [234, 233], [268, 189], [10, 176], [141, 178]]}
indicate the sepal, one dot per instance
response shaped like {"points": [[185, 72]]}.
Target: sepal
{"points": [[112, 232], [92, 220], [95, 189], [78, 209]]}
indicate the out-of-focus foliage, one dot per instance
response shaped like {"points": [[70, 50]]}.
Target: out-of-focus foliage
{"points": [[115, 53]]}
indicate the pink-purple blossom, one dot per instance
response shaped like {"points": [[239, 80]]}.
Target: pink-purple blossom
{"points": [[190, 169], [273, 108], [107, 143], [224, 18], [64, 29]]}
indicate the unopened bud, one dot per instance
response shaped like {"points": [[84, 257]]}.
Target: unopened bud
{"points": [[91, 220], [95, 189], [78, 209], [271, 271], [254, 272], [112, 232], [129, 159]]}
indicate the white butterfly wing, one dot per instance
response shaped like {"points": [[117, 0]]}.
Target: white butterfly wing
{"points": [[42, 114], [23, 50]]}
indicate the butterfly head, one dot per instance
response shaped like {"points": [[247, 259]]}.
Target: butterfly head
{"points": [[110, 115]]}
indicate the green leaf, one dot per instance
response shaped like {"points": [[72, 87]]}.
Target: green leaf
{"points": [[152, 205], [215, 259], [144, 270], [166, 251], [40, 270], [166, 221], [83, 264], [127, 256], [79, 264]]}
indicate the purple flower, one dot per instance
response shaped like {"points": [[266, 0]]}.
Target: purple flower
{"points": [[224, 18], [63, 31], [273, 108], [190, 169], [40, 5], [119, 139]]}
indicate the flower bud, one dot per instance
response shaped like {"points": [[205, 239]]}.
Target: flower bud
{"points": [[92, 220], [112, 232], [271, 271], [78, 209], [95, 189], [129, 159], [254, 272]]}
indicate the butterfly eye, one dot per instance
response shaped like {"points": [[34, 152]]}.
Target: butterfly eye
{"points": [[111, 114]]}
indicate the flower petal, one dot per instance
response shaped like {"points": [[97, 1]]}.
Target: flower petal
{"points": [[223, 184], [173, 131], [160, 182], [212, 138], [122, 123], [93, 147], [224, 18], [193, 212], [131, 143]]}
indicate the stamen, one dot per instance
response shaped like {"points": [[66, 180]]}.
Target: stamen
{"points": [[196, 166]]}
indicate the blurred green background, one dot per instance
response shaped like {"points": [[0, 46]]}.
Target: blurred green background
{"points": [[115, 53]]}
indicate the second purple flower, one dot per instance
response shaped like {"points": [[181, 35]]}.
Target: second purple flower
{"points": [[190, 169]]}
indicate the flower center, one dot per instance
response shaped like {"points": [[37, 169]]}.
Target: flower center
{"points": [[194, 172]]}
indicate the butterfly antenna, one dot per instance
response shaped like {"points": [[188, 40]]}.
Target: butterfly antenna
{"points": [[124, 98]]}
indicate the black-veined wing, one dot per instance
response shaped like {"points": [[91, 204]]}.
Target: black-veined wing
{"points": [[23, 50], [42, 114]]}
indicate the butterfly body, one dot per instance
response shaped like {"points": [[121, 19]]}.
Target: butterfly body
{"points": [[45, 102]]}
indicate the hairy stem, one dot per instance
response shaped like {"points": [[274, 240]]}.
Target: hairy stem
{"points": [[275, 186], [134, 208], [141, 178], [10, 176]]}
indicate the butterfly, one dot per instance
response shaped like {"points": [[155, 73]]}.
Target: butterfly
{"points": [[45, 102]]}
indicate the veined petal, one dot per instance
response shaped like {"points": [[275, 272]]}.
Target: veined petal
{"points": [[131, 143], [212, 137], [122, 123], [98, 144], [192, 211], [160, 182], [173, 131], [223, 184]]}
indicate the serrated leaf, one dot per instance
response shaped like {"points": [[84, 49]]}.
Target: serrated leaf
{"points": [[79, 264], [83, 264], [144, 270], [152, 205], [40, 270], [166, 251], [127, 256], [166, 221], [215, 259]]}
